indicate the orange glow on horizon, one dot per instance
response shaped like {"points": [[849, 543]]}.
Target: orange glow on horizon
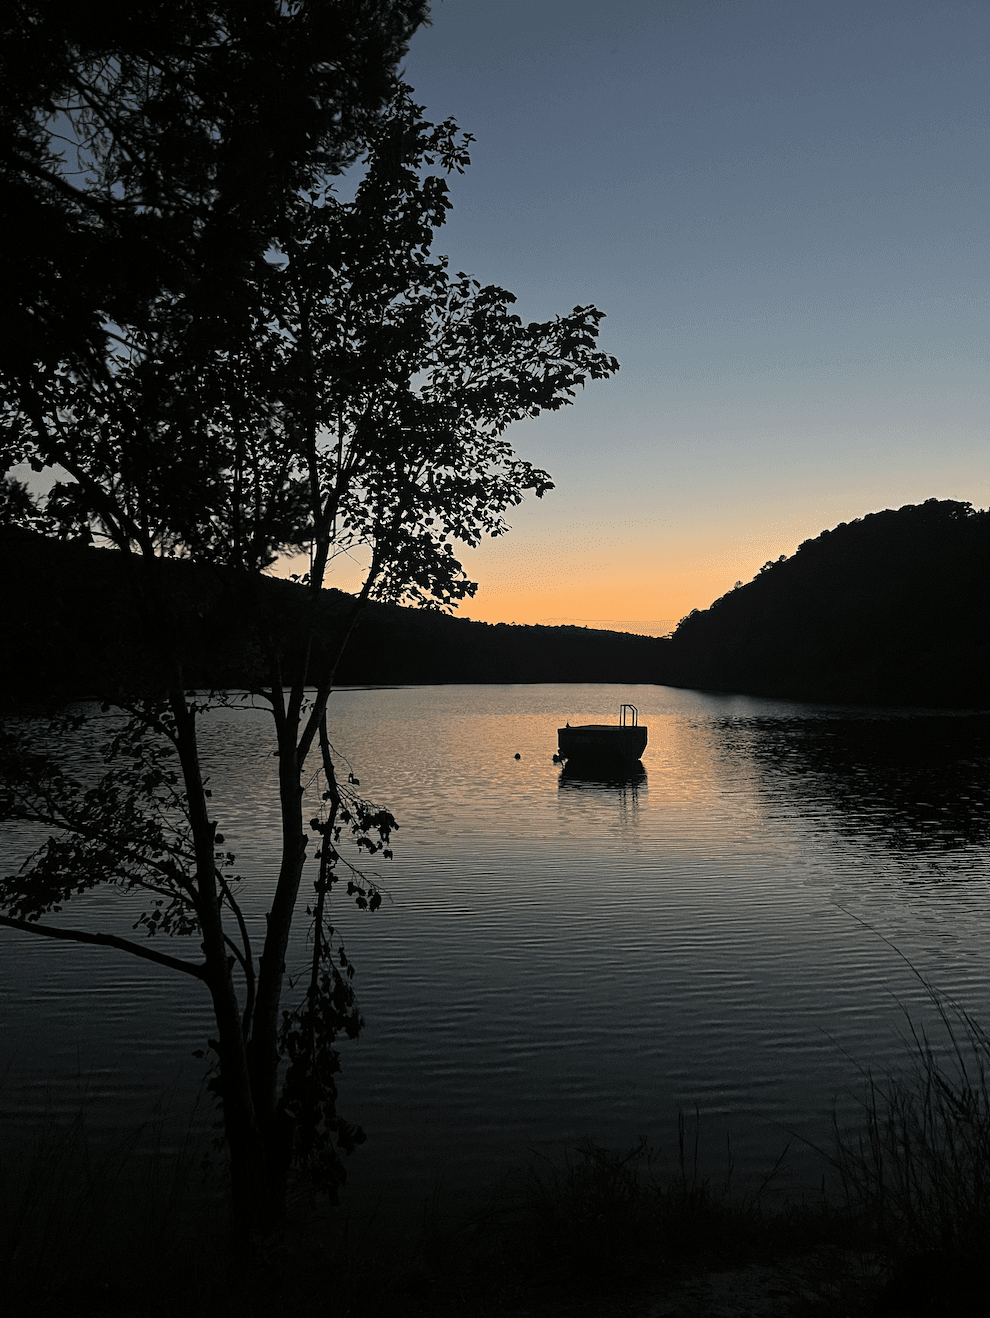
{"points": [[624, 593], [533, 584]]}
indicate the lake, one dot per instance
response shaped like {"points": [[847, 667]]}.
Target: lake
{"points": [[727, 930]]}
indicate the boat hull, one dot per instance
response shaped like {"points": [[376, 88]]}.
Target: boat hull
{"points": [[596, 742]]}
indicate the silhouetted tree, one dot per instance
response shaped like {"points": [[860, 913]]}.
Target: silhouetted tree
{"points": [[17, 505], [361, 405], [152, 146]]}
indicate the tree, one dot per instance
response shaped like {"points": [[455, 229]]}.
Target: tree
{"points": [[362, 407], [154, 145], [17, 506]]}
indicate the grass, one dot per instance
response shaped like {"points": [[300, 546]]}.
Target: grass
{"points": [[915, 1175], [82, 1213], [597, 1231], [601, 1231]]}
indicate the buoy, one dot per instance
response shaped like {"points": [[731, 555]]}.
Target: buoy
{"points": [[518, 756]]}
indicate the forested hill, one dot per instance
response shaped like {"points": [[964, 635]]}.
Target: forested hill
{"points": [[891, 608], [68, 630]]}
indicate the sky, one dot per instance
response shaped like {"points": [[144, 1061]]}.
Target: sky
{"points": [[781, 206]]}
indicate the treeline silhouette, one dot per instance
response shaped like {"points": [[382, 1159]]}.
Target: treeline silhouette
{"points": [[70, 631], [893, 608]]}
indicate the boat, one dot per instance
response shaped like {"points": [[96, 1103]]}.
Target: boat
{"points": [[624, 741]]}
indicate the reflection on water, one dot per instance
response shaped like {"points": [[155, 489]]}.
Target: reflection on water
{"points": [[568, 953], [909, 784], [614, 778]]}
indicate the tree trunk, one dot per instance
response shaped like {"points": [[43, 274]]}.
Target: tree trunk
{"points": [[259, 1168]]}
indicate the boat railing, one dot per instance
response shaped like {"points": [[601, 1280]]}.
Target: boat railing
{"points": [[631, 712]]}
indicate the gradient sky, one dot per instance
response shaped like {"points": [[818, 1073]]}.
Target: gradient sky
{"points": [[782, 207]]}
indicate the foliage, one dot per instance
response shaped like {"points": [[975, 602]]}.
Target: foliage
{"points": [[365, 412], [152, 148], [891, 608], [338, 392], [17, 507]]}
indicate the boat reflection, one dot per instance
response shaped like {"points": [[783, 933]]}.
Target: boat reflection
{"points": [[615, 776]]}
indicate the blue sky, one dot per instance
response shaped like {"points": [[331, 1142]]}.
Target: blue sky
{"points": [[781, 207]]}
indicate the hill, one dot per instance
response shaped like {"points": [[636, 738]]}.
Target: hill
{"points": [[69, 630], [893, 608]]}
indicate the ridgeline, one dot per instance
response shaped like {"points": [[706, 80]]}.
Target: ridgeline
{"points": [[70, 631], [893, 608]]}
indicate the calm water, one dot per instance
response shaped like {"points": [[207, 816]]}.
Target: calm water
{"points": [[563, 957]]}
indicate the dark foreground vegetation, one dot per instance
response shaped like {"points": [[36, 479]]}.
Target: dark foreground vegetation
{"points": [[595, 1233], [73, 631], [899, 1226], [893, 608]]}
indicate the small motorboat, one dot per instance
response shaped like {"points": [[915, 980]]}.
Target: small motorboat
{"points": [[596, 742]]}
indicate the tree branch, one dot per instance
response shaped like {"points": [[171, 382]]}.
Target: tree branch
{"points": [[107, 940]]}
